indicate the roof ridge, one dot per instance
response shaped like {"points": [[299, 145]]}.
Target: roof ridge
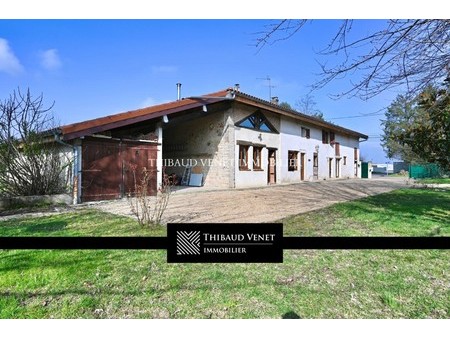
{"points": [[148, 109], [159, 110]]}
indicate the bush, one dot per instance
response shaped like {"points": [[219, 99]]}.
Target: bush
{"points": [[30, 160]]}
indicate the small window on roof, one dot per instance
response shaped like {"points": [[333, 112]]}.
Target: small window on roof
{"points": [[257, 121]]}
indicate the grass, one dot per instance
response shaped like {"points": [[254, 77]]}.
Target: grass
{"points": [[434, 180], [309, 284], [405, 212]]}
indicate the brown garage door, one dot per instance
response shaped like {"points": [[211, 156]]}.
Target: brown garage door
{"points": [[107, 168]]}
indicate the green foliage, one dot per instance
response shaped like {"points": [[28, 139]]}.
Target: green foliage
{"points": [[399, 116], [285, 105], [418, 130], [429, 134]]}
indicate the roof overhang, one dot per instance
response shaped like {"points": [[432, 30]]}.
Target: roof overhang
{"points": [[102, 124], [275, 108], [98, 125]]}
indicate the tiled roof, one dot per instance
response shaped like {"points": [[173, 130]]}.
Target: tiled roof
{"points": [[100, 124], [79, 129], [245, 98]]}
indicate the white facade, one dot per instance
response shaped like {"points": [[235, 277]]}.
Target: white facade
{"points": [[331, 164], [253, 138], [215, 143]]}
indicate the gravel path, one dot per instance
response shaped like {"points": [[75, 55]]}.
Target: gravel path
{"points": [[261, 204]]}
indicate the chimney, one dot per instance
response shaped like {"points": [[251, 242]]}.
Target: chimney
{"points": [[178, 91], [274, 100], [236, 87]]}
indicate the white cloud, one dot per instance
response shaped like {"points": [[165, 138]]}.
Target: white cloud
{"points": [[164, 69], [150, 101], [9, 63], [50, 59]]}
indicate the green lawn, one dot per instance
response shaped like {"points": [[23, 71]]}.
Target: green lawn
{"points": [[309, 284], [434, 180]]}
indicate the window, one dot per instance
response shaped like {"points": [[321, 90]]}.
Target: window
{"points": [[243, 157], [258, 122], [345, 160], [257, 158], [325, 137], [332, 137], [337, 149], [292, 160], [306, 132]]}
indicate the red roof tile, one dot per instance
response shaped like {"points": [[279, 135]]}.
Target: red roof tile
{"points": [[79, 129], [100, 124]]}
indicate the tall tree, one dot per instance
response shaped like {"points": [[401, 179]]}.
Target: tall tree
{"points": [[409, 53], [420, 129], [399, 115], [308, 105], [429, 134]]}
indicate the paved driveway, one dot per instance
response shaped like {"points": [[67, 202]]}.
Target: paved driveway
{"points": [[261, 204]]}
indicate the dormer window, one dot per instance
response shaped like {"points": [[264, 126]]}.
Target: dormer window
{"points": [[257, 121]]}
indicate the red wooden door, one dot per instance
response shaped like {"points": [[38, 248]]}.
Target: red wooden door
{"points": [[101, 170], [315, 166], [136, 157], [108, 165], [272, 173]]}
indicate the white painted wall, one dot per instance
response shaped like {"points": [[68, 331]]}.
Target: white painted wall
{"points": [[254, 178], [291, 139]]}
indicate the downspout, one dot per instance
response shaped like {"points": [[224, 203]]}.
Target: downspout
{"points": [[74, 179]]}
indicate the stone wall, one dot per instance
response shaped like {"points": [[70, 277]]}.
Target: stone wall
{"points": [[203, 143]]}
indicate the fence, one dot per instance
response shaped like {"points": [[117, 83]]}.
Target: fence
{"points": [[424, 170]]}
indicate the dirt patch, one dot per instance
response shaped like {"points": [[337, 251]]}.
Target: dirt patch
{"points": [[261, 204]]}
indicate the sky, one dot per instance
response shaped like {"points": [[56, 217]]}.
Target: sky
{"points": [[93, 68]]}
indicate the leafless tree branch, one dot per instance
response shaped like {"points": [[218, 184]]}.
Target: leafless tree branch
{"points": [[411, 54], [29, 163]]}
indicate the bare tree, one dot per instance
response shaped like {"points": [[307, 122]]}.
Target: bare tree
{"points": [[149, 209], [412, 54], [31, 163], [308, 105]]}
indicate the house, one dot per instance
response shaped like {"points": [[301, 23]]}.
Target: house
{"points": [[226, 139]]}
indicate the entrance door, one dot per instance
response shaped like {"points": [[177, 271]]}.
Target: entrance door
{"points": [[302, 166], [338, 167], [271, 167], [330, 167], [315, 166]]}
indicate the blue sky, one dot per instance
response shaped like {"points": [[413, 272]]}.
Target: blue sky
{"points": [[92, 68]]}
